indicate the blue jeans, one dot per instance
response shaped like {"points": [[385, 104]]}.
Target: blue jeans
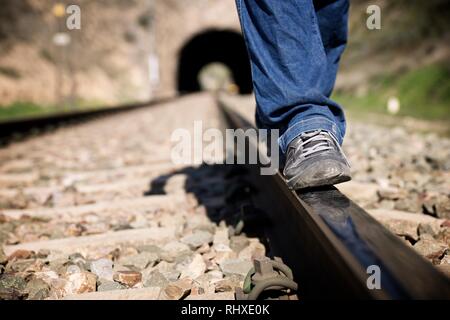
{"points": [[294, 48]]}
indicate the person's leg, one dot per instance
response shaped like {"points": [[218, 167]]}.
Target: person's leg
{"points": [[292, 74], [332, 16], [294, 52]]}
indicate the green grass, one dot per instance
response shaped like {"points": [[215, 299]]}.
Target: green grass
{"points": [[423, 93], [23, 109], [19, 110]]}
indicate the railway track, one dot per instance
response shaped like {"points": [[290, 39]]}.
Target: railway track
{"points": [[16, 129], [323, 228], [98, 210]]}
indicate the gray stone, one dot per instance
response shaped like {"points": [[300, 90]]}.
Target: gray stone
{"points": [[430, 248], [215, 274], [37, 289], [402, 228], [237, 243], [200, 222], [172, 275], [12, 282], [221, 237], [15, 266], [253, 251], [236, 266], [103, 268], [223, 253], [11, 287], [196, 268], [182, 262], [164, 266], [109, 286], [174, 249], [58, 288], [62, 259], [443, 210], [386, 204], [77, 257], [140, 260], [43, 253], [156, 279], [208, 278], [425, 228], [410, 204], [149, 248], [176, 290], [427, 237], [224, 285], [58, 265], [391, 193], [73, 268], [48, 276], [197, 238]]}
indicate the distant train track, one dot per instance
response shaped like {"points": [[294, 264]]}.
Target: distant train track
{"points": [[24, 126]]}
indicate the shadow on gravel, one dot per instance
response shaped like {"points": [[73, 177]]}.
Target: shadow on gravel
{"points": [[224, 192]]}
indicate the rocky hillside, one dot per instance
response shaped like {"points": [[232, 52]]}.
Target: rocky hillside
{"points": [[105, 62]]}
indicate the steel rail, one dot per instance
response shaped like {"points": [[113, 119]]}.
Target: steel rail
{"points": [[330, 242]]}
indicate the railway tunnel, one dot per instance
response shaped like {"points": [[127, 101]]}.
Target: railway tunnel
{"points": [[217, 54]]}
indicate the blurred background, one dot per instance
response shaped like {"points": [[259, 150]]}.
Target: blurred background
{"points": [[129, 51]]}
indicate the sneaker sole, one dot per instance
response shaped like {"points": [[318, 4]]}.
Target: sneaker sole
{"points": [[295, 182]]}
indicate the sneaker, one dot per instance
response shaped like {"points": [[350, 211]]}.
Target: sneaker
{"points": [[315, 159]]}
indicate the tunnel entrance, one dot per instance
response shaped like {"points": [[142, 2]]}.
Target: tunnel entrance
{"points": [[211, 49]]}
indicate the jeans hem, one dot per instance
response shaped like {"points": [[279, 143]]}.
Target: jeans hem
{"points": [[313, 123]]}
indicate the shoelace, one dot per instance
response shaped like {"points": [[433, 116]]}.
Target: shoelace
{"points": [[322, 142]]}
